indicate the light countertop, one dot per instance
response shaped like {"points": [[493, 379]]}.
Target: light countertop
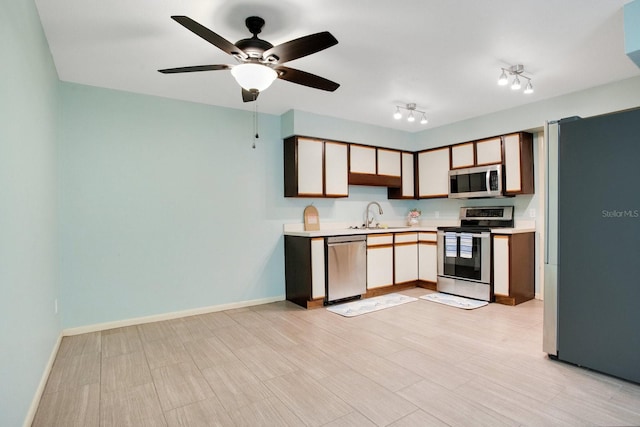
{"points": [[342, 229]]}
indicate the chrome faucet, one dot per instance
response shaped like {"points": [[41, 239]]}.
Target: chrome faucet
{"points": [[367, 221]]}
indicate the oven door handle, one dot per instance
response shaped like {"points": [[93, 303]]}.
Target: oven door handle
{"points": [[484, 235]]}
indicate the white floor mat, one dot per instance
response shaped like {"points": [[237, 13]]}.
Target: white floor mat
{"points": [[454, 301], [356, 308]]}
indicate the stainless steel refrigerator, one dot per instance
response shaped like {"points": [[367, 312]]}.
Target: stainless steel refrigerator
{"points": [[592, 261]]}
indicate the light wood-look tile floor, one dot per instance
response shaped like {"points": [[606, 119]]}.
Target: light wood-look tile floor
{"points": [[418, 364]]}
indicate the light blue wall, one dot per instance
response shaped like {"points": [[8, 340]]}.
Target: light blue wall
{"points": [[166, 207], [28, 190], [296, 122]]}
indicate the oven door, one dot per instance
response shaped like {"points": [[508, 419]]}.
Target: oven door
{"points": [[465, 256]]}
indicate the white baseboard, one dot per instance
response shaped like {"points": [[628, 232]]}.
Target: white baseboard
{"points": [[167, 316], [33, 408]]}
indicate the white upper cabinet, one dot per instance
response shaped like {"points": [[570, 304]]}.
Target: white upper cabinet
{"points": [[336, 175], [362, 159], [489, 151], [476, 153], [315, 168], [433, 173], [389, 162], [518, 163], [462, 155], [310, 154]]}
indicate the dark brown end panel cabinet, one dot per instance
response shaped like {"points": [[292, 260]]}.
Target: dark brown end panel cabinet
{"points": [[304, 270], [513, 267]]}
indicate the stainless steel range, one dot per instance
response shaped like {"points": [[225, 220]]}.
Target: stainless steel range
{"points": [[464, 253]]}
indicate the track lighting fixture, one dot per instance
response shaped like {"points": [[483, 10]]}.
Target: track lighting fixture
{"points": [[516, 71], [411, 108]]}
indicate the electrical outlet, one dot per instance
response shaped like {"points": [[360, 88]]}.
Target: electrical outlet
{"points": [[55, 306], [532, 213], [437, 214]]}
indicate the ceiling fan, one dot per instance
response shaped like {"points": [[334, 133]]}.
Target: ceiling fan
{"points": [[259, 62]]}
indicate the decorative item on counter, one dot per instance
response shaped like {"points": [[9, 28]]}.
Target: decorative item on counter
{"points": [[311, 219], [414, 217]]}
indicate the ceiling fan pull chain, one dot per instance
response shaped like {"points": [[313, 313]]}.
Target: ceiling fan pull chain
{"points": [[255, 123]]}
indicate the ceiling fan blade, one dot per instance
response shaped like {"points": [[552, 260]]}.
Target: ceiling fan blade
{"points": [[209, 36], [249, 96], [195, 68], [303, 46], [306, 79]]}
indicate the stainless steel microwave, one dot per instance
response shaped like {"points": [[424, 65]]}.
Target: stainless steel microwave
{"points": [[476, 182]]}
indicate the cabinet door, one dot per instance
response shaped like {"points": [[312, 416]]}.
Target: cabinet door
{"points": [[489, 151], [428, 257], [501, 265], [462, 155], [379, 266], [406, 263], [408, 188], [512, 163], [310, 178], [336, 169], [433, 173], [317, 268], [389, 162], [362, 159], [405, 250]]}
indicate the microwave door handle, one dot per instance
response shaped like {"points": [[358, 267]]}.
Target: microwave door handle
{"points": [[488, 180]]}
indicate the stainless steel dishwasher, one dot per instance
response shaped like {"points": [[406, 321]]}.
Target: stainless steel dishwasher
{"points": [[346, 267]]}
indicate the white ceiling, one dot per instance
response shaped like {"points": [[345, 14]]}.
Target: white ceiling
{"points": [[444, 55]]}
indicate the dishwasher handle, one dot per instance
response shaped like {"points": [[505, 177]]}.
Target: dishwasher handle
{"points": [[333, 240]]}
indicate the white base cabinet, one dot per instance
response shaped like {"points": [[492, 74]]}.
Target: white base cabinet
{"points": [[317, 268], [428, 257], [379, 260], [406, 257]]}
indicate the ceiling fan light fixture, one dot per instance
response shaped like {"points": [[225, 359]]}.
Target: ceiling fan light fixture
{"points": [[423, 120], [254, 76], [411, 117], [397, 115]]}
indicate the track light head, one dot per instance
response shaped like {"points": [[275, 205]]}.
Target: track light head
{"points": [[516, 84], [503, 80], [529, 88]]}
